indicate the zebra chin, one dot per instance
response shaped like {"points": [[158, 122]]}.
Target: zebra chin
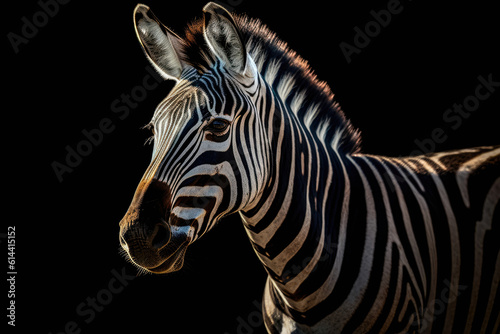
{"points": [[183, 222], [171, 257]]}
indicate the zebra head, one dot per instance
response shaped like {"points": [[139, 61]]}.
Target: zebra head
{"points": [[210, 155]]}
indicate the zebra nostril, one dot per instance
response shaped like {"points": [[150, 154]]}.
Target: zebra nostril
{"points": [[161, 236]]}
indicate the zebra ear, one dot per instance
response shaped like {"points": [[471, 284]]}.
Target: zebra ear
{"points": [[224, 37], [159, 43]]}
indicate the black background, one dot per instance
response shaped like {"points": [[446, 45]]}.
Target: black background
{"points": [[65, 78]]}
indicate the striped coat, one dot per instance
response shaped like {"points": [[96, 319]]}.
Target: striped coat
{"points": [[351, 242]]}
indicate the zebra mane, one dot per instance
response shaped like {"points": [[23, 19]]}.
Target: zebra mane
{"points": [[310, 99]]}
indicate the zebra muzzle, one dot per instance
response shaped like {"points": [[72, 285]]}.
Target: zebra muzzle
{"points": [[146, 235]]}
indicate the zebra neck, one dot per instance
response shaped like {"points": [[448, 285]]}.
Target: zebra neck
{"points": [[293, 225], [320, 243]]}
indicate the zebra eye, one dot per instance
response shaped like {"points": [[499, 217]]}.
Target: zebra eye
{"points": [[218, 125]]}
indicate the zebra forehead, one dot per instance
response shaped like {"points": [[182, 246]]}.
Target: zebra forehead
{"points": [[183, 100], [205, 93]]}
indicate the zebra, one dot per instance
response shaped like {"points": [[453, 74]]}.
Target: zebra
{"points": [[351, 242]]}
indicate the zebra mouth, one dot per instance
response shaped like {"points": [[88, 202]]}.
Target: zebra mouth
{"points": [[172, 255], [172, 263]]}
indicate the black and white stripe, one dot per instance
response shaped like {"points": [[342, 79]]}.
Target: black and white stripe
{"points": [[352, 243], [407, 251]]}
